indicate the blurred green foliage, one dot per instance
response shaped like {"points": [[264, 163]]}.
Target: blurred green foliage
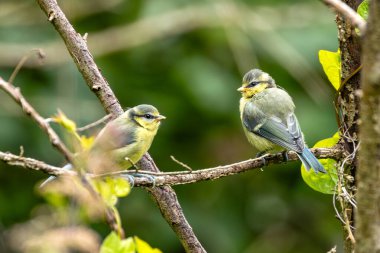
{"points": [[191, 76]]}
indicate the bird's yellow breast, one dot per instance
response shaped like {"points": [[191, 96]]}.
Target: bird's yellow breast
{"points": [[134, 151]]}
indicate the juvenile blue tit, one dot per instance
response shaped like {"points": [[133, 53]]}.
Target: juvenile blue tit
{"points": [[269, 122], [121, 143], [126, 139]]}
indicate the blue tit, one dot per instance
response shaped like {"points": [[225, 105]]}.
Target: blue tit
{"points": [[269, 122], [121, 143], [127, 138]]}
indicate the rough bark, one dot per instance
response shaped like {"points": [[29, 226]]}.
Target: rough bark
{"points": [[176, 177], [167, 201], [368, 174], [82, 57], [348, 110]]}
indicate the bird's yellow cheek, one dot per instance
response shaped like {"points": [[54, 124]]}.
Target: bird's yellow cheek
{"points": [[249, 92]]}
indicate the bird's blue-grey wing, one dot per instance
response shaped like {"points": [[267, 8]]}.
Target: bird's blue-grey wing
{"points": [[113, 137], [295, 130], [273, 128]]}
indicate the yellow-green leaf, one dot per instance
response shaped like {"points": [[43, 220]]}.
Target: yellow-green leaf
{"points": [[86, 142], [363, 9], [121, 187], [112, 188], [64, 121], [105, 190], [110, 244], [144, 247], [113, 244], [329, 142], [128, 245], [321, 182], [331, 65]]}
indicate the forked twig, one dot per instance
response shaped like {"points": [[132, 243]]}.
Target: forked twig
{"points": [[15, 93]]}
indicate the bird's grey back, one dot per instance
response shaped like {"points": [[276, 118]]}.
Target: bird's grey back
{"points": [[274, 102]]}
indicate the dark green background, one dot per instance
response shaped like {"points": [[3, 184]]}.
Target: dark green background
{"points": [[191, 76]]}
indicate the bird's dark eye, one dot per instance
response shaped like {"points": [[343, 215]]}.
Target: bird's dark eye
{"points": [[148, 116], [253, 83]]}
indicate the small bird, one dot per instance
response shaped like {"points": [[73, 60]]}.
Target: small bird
{"points": [[269, 122], [128, 137], [121, 143]]}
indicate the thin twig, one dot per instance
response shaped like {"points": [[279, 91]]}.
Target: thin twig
{"points": [[94, 124], [348, 13], [21, 151], [181, 163], [332, 250], [343, 195], [337, 213], [21, 63], [15, 93], [348, 226]]}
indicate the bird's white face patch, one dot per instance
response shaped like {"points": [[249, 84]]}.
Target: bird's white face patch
{"points": [[264, 77]]}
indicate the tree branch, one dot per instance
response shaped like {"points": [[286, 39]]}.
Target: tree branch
{"points": [[55, 140], [76, 45], [15, 93], [177, 177], [33, 164], [348, 13], [186, 177], [367, 216], [347, 108], [82, 57], [166, 199]]}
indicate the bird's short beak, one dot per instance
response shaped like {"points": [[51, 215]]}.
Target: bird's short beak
{"points": [[241, 89], [160, 117]]}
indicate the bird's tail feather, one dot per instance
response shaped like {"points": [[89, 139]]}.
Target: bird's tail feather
{"points": [[310, 161], [51, 178]]}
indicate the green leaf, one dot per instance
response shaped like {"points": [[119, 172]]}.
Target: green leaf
{"points": [[144, 247], [128, 245], [113, 244], [64, 121], [331, 65], [329, 142], [112, 188], [121, 187], [106, 191], [363, 9], [110, 244], [324, 183]]}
